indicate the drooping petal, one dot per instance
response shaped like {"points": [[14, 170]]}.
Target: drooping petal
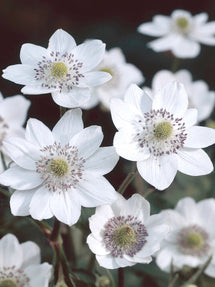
{"points": [[65, 206], [158, 27], [31, 55], [70, 124], [199, 137], [10, 252], [92, 79], [96, 246], [107, 261], [194, 162], [20, 202], [39, 274], [61, 42], [20, 74], [38, 134], [172, 97], [159, 172], [102, 161], [32, 257]]}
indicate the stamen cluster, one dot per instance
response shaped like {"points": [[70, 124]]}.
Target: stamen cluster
{"points": [[11, 277]]}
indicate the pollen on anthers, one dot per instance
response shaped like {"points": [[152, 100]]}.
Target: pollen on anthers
{"points": [[60, 72], [60, 167]]}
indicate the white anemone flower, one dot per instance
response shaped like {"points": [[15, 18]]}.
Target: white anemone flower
{"points": [[180, 32], [123, 74], [20, 264], [56, 172], [199, 96], [124, 233], [159, 134], [63, 69], [191, 240], [13, 113]]}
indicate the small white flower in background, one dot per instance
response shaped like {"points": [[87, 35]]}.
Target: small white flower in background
{"points": [[63, 69], [13, 113], [159, 134], [180, 32], [20, 264], [58, 172], [124, 233], [123, 74], [191, 238], [199, 96]]}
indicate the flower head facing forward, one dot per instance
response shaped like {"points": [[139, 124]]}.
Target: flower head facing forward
{"points": [[199, 96], [191, 238], [124, 233], [180, 32], [63, 69], [159, 134], [20, 264], [58, 172]]}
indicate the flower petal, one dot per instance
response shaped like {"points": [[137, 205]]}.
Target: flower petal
{"points": [[39, 274], [36, 89], [32, 257], [158, 27], [96, 246], [61, 42], [20, 201], [187, 207], [92, 79], [199, 137], [107, 261], [164, 43], [161, 78], [190, 117], [159, 172], [31, 54], [20, 74], [138, 206], [186, 49], [194, 162]]}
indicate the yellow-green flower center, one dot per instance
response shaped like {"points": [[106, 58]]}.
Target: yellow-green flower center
{"points": [[125, 236], [59, 167], [182, 23], [193, 240], [7, 283], [163, 130], [107, 70], [58, 70]]}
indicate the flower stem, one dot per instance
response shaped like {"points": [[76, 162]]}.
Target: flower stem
{"points": [[3, 161], [175, 65], [56, 231], [127, 181], [120, 277]]}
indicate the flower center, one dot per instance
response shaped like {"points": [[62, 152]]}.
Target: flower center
{"points": [[7, 283], [193, 240], [124, 235], [58, 70], [163, 130], [59, 167], [182, 23], [107, 70]]}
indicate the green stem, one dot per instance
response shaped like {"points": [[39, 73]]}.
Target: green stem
{"points": [[5, 192], [175, 64], [120, 277], [3, 161], [65, 267], [127, 181], [56, 231], [174, 280]]}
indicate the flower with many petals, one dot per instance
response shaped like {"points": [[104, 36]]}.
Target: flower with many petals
{"points": [[159, 134], [20, 264], [190, 241], [11, 121], [63, 69], [56, 172], [123, 74], [180, 32], [124, 233], [199, 96]]}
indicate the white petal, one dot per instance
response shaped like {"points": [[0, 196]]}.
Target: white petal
{"points": [[158, 27], [31, 254], [66, 206], [138, 206], [165, 43], [20, 201], [70, 124], [206, 211], [36, 89], [172, 97], [61, 42], [93, 79], [184, 76], [158, 172], [164, 258], [102, 161], [90, 54], [187, 207], [161, 78], [200, 18], [190, 117], [199, 137], [38, 134], [19, 178], [40, 204], [210, 270], [96, 246], [39, 274], [107, 261], [95, 191], [20, 74], [194, 162], [10, 252], [87, 141], [186, 48], [32, 54], [91, 102], [73, 99]]}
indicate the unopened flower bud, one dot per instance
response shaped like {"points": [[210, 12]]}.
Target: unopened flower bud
{"points": [[102, 281]]}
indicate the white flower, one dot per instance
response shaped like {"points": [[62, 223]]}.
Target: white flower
{"points": [[159, 134], [13, 112], [20, 264], [124, 233], [191, 240], [199, 96], [123, 74], [180, 32], [63, 69], [58, 172]]}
